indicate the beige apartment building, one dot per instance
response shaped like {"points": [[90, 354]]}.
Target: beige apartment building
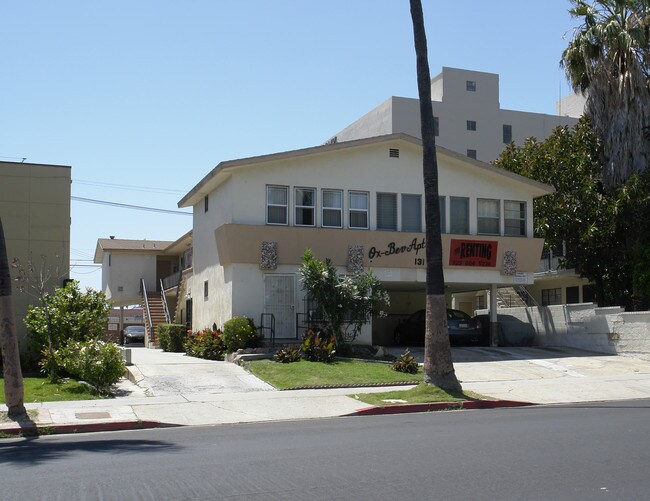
{"points": [[35, 213]]}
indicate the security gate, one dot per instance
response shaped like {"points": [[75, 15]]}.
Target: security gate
{"points": [[280, 300]]}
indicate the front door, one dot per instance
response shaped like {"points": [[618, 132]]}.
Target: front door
{"points": [[280, 300]]}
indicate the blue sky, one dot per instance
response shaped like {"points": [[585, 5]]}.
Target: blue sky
{"points": [[153, 94]]}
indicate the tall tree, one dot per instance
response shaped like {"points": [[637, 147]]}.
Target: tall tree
{"points": [[13, 378], [438, 365], [608, 59]]}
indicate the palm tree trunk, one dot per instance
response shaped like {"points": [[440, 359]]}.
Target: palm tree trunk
{"points": [[438, 365], [13, 378]]}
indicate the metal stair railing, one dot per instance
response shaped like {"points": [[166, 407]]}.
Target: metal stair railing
{"points": [[143, 289], [163, 299], [264, 327], [525, 295]]}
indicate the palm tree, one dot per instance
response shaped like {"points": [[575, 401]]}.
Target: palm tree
{"points": [[13, 378], [608, 59], [438, 365]]}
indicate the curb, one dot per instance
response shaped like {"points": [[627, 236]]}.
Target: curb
{"points": [[31, 429], [439, 406]]}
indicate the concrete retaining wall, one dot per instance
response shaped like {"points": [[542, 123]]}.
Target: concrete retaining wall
{"points": [[587, 327]]}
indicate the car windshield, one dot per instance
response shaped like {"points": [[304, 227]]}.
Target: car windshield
{"points": [[135, 328]]}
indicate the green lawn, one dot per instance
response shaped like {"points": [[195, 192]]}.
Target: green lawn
{"points": [[420, 394], [340, 372], [41, 390]]}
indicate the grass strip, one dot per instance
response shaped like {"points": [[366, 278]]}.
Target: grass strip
{"points": [[39, 389], [337, 373]]}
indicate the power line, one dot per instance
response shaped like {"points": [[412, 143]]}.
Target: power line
{"points": [[146, 189], [129, 206]]}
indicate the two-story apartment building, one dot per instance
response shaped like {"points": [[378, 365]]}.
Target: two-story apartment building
{"points": [[361, 204]]}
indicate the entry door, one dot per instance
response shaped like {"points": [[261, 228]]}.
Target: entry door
{"points": [[280, 299]]}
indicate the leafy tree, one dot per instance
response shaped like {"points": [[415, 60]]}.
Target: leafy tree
{"points": [[346, 302], [605, 233], [609, 60], [438, 365], [68, 314], [13, 378]]}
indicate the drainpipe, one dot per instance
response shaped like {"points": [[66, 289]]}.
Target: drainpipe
{"points": [[494, 333]]}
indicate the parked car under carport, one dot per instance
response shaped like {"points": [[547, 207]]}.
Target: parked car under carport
{"points": [[460, 326]]}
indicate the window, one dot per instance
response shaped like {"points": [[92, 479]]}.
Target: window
{"points": [[205, 289], [459, 215], [573, 295], [359, 209], [205, 203], [471, 125], [305, 201], [588, 294], [436, 126], [277, 205], [443, 215], [515, 218], [489, 218], [387, 211], [412, 213], [471, 154], [332, 209], [551, 296], [507, 133], [470, 85]]}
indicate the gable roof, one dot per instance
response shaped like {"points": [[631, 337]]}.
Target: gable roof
{"points": [[119, 244], [213, 178]]}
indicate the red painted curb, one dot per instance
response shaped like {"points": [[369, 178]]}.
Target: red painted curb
{"points": [[438, 406], [59, 429]]}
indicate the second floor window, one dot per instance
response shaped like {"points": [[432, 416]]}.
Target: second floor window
{"points": [[412, 213], [514, 215], [387, 211], [359, 210], [332, 209], [489, 218], [459, 215], [305, 200], [471, 125], [507, 133], [277, 205]]}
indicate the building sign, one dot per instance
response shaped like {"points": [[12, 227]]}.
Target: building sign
{"points": [[413, 247], [481, 253]]}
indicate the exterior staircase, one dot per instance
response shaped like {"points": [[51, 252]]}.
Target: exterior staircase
{"points": [[511, 297], [153, 316]]}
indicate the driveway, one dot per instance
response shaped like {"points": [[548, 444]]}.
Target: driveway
{"points": [[548, 374]]}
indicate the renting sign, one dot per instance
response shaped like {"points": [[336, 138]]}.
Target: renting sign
{"points": [[481, 253]]}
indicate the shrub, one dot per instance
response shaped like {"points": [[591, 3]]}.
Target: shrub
{"points": [[171, 337], [318, 347], [405, 363], [239, 333], [287, 355], [98, 363], [207, 344]]}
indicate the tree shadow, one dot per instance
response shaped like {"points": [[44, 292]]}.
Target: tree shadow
{"points": [[31, 451]]}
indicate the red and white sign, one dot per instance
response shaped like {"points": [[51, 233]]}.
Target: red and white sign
{"points": [[475, 253]]}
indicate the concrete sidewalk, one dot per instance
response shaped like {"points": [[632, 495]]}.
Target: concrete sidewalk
{"points": [[171, 389]]}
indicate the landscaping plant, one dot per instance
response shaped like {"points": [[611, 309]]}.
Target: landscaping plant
{"points": [[239, 333], [98, 363], [287, 355], [318, 346], [171, 337], [405, 363], [207, 344]]}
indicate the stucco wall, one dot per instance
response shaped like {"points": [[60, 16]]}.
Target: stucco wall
{"points": [[587, 327]]}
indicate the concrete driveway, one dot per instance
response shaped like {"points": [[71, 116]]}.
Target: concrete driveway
{"points": [[548, 375]]}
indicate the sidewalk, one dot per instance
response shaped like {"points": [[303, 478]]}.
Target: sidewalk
{"points": [[175, 390]]}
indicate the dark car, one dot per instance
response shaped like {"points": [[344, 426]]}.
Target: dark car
{"points": [[134, 334], [461, 326]]}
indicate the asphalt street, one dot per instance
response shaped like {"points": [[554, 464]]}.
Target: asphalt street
{"points": [[579, 451]]}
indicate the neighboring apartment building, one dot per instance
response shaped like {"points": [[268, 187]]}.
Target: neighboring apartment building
{"points": [[359, 203], [35, 213], [468, 116]]}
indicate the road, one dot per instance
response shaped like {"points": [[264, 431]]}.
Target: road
{"points": [[587, 451]]}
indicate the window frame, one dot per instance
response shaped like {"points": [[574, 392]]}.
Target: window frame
{"points": [[296, 207], [508, 128], [403, 212], [452, 229], [471, 154], [286, 206], [551, 297], [366, 211], [324, 208], [490, 218], [523, 220], [471, 125], [378, 206], [470, 85]]}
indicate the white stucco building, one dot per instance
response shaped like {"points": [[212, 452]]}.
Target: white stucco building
{"points": [[355, 202], [469, 118]]}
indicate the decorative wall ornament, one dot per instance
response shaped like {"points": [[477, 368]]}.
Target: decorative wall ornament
{"points": [[510, 263], [355, 258], [269, 257]]}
